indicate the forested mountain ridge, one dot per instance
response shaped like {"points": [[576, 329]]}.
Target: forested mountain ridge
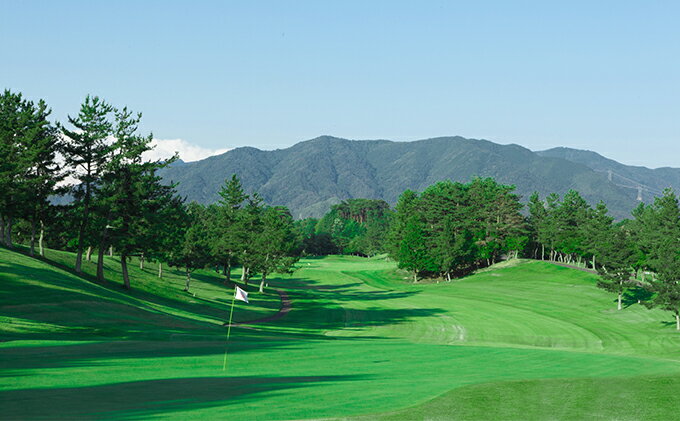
{"points": [[312, 175], [652, 180]]}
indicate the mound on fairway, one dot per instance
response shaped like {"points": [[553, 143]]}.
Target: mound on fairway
{"points": [[527, 341]]}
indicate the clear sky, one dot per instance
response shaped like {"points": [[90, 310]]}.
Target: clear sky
{"points": [[596, 75]]}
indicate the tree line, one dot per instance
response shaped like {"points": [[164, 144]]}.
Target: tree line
{"points": [[116, 200], [451, 229], [352, 227]]}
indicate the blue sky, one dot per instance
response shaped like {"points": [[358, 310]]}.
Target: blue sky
{"points": [[603, 76]]}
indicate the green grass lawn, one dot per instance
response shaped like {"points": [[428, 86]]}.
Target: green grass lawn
{"points": [[528, 340]]}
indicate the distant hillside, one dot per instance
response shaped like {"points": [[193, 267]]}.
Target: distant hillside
{"points": [[651, 181], [311, 176]]}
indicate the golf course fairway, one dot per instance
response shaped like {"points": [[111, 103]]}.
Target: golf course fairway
{"points": [[521, 340]]}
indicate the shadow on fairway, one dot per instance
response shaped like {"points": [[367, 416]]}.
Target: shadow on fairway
{"points": [[636, 295], [143, 399], [59, 310], [13, 360], [112, 271]]}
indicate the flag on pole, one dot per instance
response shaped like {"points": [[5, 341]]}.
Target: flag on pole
{"points": [[240, 294]]}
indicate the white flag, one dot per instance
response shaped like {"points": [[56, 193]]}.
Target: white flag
{"points": [[240, 294]]}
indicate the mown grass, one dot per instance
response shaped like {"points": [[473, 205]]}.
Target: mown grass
{"points": [[526, 341]]}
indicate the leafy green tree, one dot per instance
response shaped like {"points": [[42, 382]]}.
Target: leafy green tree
{"points": [[413, 254], [596, 231], [15, 117], [571, 216], [226, 225], [193, 251], [457, 249], [615, 263], [136, 196], [660, 225], [28, 172], [535, 222], [41, 145], [357, 226], [276, 243], [86, 153], [251, 221]]}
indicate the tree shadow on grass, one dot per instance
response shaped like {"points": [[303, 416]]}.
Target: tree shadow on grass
{"points": [[144, 399], [636, 295], [13, 360], [112, 270]]}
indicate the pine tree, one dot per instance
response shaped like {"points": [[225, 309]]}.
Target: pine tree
{"points": [[275, 243], [250, 225], [41, 145], [661, 231], [615, 263], [226, 225], [191, 252], [86, 153], [15, 122], [135, 195], [596, 231], [413, 254]]}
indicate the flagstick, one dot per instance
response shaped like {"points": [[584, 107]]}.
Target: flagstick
{"points": [[226, 349]]}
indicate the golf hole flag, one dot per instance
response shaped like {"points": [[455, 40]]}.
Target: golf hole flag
{"points": [[240, 294]]}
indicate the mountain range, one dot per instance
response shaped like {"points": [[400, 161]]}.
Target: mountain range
{"points": [[310, 176]]}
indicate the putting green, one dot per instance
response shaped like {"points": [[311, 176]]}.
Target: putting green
{"points": [[525, 341]]}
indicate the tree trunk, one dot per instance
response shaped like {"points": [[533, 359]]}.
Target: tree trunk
{"points": [[79, 253], [141, 261], [245, 275], [187, 281], [41, 246], [100, 255], [124, 269], [619, 305], [448, 276], [415, 276], [227, 274], [677, 321], [110, 251], [9, 221], [88, 254], [264, 278], [2, 229], [594, 262], [31, 250], [160, 269]]}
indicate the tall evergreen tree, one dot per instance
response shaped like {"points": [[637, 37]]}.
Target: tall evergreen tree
{"points": [[276, 243], [615, 263], [137, 196], [42, 143], [226, 225], [596, 231], [15, 119], [192, 252], [661, 231], [86, 152]]}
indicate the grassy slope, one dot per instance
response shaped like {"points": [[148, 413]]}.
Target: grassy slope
{"points": [[358, 341]]}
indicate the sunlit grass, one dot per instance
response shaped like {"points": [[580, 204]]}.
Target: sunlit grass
{"points": [[361, 339]]}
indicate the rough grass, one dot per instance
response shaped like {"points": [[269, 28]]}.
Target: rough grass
{"points": [[526, 341]]}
